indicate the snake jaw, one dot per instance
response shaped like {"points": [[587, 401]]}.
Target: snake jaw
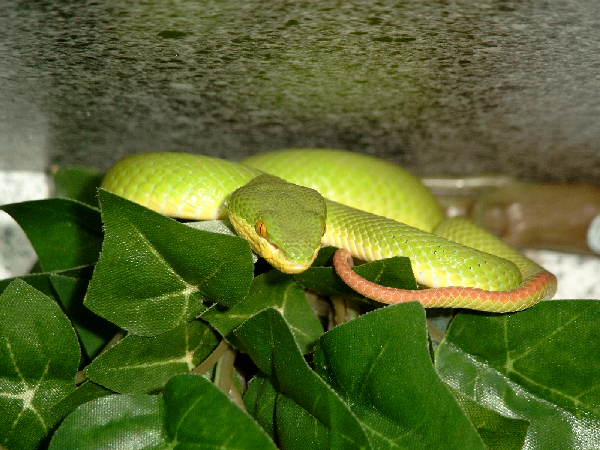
{"points": [[283, 262], [287, 266]]}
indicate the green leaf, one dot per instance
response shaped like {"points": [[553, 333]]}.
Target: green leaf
{"points": [[129, 422], [380, 365], [324, 257], [308, 413], [39, 281], [78, 183], [393, 272], [498, 432], [84, 393], [93, 330], [200, 415], [69, 291], [541, 364], [154, 272], [193, 413], [260, 401], [324, 281], [64, 233], [139, 364], [39, 355], [272, 289]]}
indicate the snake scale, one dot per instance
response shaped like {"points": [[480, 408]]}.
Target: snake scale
{"points": [[370, 208]]}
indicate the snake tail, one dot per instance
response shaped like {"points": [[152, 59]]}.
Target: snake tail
{"points": [[530, 291]]}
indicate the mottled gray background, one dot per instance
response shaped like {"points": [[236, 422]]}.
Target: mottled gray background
{"points": [[443, 87]]}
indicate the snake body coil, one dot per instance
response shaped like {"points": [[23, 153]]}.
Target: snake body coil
{"points": [[464, 265]]}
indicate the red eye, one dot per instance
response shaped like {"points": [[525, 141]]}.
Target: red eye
{"points": [[261, 228]]}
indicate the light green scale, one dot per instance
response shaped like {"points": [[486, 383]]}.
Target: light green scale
{"points": [[436, 262], [178, 184], [354, 179], [198, 187]]}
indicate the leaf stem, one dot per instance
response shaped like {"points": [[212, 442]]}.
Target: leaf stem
{"points": [[345, 310], [224, 376], [212, 359]]}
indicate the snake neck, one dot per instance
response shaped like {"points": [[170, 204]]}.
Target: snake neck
{"points": [[436, 262]]}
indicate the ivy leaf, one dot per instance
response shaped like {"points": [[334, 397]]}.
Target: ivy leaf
{"points": [[199, 414], [154, 272], [84, 393], [93, 331], [192, 413], [380, 365], [39, 355], [272, 289], [393, 272], [498, 432], [139, 364], [77, 183], [324, 257], [68, 288], [541, 364], [132, 422], [307, 414], [260, 401], [64, 233], [39, 281]]}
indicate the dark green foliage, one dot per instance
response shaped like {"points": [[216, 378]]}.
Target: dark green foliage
{"points": [[495, 381]]}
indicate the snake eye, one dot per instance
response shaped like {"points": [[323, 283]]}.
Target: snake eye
{"points": [[261, 228], [324, 229]]}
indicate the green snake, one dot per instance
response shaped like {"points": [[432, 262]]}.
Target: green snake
{"points": [[369, 208]]}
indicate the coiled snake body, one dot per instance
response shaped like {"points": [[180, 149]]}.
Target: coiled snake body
{"points": [[372, 209]]}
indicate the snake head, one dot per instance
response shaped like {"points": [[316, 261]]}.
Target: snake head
{"points": [[283, 222]]}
